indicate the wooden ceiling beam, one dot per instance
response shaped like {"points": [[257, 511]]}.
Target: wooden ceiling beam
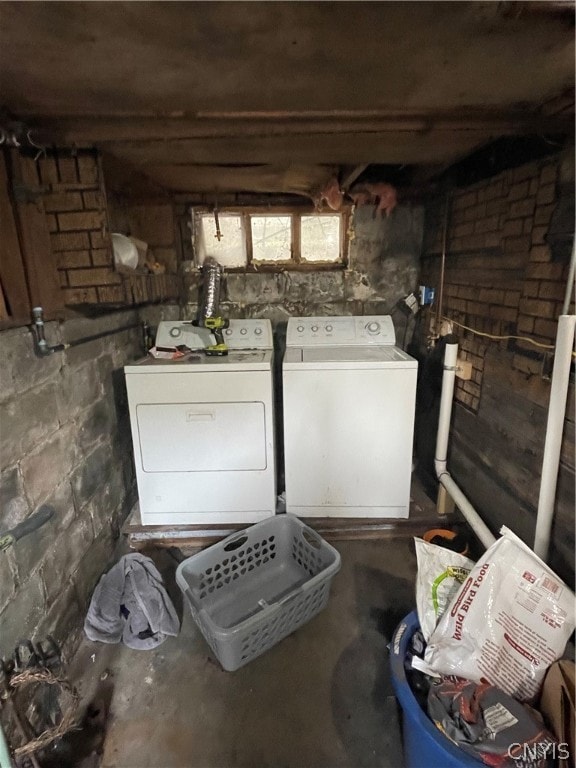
{"points": [[95, 129], [349, 175], [343, 149], [294, 179]]}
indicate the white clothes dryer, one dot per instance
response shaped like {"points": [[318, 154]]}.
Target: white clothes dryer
{"points": [[203, 427]]}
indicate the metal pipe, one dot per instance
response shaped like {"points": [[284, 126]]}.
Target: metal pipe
{"points": [[571, 277], [43, 349], [442, 264], [101, 335], [440, 462], [554, 430]]}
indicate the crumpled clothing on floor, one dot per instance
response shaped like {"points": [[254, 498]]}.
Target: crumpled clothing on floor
{"points": [[130, 604]]}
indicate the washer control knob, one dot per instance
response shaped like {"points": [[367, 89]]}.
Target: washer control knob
{"points": [[258, 331], [329, 329], [300, 329], [243, 331], [228, 331], [373, 327], [314, 328], [175, 332]]}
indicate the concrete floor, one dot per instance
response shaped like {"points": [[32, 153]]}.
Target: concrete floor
{"points": [[321, 698]]}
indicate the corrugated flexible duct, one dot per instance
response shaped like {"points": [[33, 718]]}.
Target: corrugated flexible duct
{"points": [[210, 300]]}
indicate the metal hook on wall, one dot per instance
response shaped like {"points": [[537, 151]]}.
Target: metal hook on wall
{"points": [[41, 150], [218, 234]]}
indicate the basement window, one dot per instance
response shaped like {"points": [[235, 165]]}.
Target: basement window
{"points": [[320, 238], [228, 245], [271, 240]]}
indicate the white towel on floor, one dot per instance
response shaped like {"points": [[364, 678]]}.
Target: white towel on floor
{"points": [[131, 605]]}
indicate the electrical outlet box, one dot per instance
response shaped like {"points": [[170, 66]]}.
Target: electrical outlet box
{"points": [[463, 369], [426, 295]]}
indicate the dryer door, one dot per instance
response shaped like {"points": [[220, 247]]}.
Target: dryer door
{"points": [[202, 437]]}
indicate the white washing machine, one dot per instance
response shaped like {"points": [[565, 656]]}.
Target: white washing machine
{"points": [[203, 427], [349, 402]]}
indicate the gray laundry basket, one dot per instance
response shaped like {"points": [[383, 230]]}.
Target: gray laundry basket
{"points": [[255, 587]]}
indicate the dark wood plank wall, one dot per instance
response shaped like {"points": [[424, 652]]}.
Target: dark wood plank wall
{"points": [[15, 299], [501, 278]]}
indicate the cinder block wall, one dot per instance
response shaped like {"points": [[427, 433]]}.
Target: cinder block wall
{"points": [[383, 267], [501, 279], [65, 441]]}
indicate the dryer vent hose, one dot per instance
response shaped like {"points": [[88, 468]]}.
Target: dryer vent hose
{"points": [[210, 301]]}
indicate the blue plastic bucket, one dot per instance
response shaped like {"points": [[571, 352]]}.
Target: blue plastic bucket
{"points": [[424, 745]]}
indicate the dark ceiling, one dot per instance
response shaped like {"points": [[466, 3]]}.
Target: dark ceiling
{"points": [[277, 96]]}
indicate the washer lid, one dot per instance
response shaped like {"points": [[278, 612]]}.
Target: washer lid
{"points": [[347, 357], [235, 360]]}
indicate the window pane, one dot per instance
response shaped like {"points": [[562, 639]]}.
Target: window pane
{"points": [[320, 238], [271, 238], [230, 250]]}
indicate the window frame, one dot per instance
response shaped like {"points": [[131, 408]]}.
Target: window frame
{"points": [[295, 263]]}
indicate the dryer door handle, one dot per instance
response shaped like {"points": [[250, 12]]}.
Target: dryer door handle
{"points": [[200, 416]]}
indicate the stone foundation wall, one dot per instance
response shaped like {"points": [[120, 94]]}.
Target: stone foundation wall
{"points": [[65, 442], [382, 268]]}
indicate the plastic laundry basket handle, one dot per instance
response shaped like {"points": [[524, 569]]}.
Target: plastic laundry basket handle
{"points": [[235, 543], [311, 538], [289, 598]]}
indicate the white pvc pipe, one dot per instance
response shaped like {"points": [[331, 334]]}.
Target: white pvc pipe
{"points": [[554, 430], [5, 759], [571, 277], [440, 463], [446, 397]]}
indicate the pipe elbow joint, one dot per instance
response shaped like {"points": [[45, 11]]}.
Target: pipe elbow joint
{"points": [[440, 467], [43, 349]]}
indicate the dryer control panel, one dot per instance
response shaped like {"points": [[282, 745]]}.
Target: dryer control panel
{"points": [[242, 334], [368, 330]]}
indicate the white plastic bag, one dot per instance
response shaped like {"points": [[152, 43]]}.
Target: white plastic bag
{"points": [[508, 623], [441, 573]]}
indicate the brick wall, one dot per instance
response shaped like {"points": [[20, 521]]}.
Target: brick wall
{"points": [[73, 194], [155, 224], [500, 278], [65, 442], [75, 205]]}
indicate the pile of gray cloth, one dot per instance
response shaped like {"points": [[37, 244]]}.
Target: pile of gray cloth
{"points": [[131, 605]]}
